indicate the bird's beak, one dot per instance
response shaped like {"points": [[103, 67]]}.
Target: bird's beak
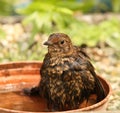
{"points": [[48, 43]]}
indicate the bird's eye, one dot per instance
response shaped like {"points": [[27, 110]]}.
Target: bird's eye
{"points": [[62, 42]]}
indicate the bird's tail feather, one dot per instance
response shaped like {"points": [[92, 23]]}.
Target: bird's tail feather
{"points": [[99, 89]]}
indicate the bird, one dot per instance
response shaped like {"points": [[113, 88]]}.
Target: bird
{"points": [[67, 75]]}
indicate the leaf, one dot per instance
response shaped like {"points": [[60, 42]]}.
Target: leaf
{"points": [[64, 10]]}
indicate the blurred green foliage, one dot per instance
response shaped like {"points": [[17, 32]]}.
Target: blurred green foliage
{"points": [[50, 16], [6, 7], [106, 31], [90, 34], [116, 6], [58, 16]]}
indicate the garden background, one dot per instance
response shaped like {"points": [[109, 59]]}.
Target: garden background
{"points": [[92, 24]]}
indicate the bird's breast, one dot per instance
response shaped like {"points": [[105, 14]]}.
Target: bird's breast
{"points": [[56, 66]]}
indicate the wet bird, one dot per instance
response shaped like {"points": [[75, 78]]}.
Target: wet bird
{"points": [[67, 76]]}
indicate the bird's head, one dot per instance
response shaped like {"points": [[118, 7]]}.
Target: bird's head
{"points": [[59, 44]]}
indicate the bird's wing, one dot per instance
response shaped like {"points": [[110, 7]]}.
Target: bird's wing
{"points": [[99, 89], [82, 51], [84, 63]]}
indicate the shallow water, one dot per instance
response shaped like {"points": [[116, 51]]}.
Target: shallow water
{"points": [[13, 98], [16, 100]]}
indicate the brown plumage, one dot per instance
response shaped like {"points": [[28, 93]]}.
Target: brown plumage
{"points": [[68, 77]]}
